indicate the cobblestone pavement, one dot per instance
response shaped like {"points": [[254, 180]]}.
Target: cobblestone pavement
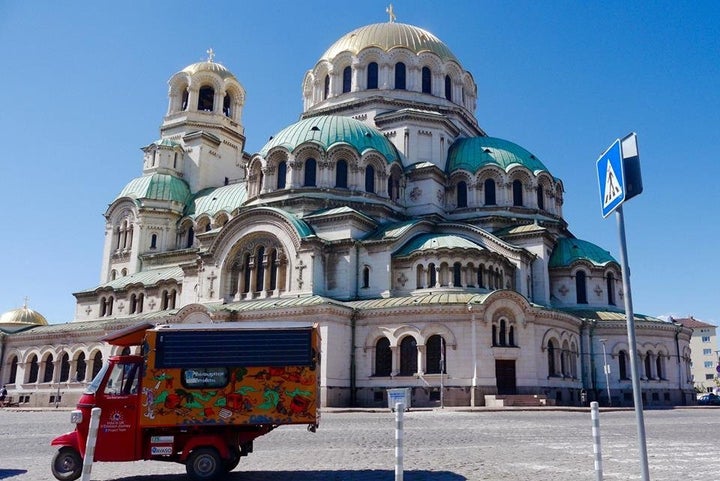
{"points": [[440, 445]]}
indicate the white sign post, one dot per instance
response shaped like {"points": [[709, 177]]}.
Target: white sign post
{"points": [[613, 183]]}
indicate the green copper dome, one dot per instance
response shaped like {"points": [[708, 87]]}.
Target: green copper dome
{"points": [[158, 187], [216, 199], [330, 130], [433, 242], [387, 36], [567, 251], [474, 153]]}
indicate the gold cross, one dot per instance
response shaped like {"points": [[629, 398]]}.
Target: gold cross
{"points": [[211, 54], [389, 10]]}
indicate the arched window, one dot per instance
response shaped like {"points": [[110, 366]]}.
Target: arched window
{"points": [[502, 338], [190, 237], [370, 179], [206, 99], [581, 287], [457, 274], [97, 364], [659, 366], [448, 88], [366, 277], [433, 275], [326, 88], [273, 269], [153, 241], [551, 358], [341, 174], [80, 367], [140, 302], [310, 173], [426, 80], [247, 272], [133, 303], [400, 76], [13, 370], [540, 197], [517, 193], [49, 369], [383, 357], [462, 194], [511, 336], [494, 335], [260, 270], [611, 288], [185, 99], [372, 75], [347, 79], [435, 362], [65, 368], [227, 105], [408, 356], [34, 369], [480, 276], [489, 187], [648, 365], [622, 365], [282, 174], [125, 351]]}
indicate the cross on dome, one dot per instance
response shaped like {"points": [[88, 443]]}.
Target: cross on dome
{"points": [[211, 54], [389, 10]]}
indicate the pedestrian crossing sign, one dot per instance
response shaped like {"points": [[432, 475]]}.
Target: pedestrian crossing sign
{"points": [[611, 178]]}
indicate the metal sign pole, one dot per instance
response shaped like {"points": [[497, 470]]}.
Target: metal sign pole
{"points": [[637, 394]]}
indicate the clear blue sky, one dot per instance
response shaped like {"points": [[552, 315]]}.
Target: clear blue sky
{"points": [[84, 86]]}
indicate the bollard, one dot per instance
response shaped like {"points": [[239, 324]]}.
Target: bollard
{"points": [[90, 445], [595, 415], [399, 409]]}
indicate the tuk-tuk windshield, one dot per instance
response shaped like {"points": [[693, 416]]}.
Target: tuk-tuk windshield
{"points": [[95, 383]]}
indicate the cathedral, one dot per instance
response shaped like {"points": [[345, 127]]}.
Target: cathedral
{"points": [[434, 257]]}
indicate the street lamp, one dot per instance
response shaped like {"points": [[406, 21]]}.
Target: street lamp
{"points": [[606, 368]]}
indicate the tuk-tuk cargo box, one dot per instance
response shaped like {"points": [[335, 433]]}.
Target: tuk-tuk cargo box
{"points": [[230, 374]]}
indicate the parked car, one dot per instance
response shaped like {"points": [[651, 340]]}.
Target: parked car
{"points": [[709, 399]]}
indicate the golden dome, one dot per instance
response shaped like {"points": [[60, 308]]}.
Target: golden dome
{"points": [[23, 316], [209, 66], [387, 36]]}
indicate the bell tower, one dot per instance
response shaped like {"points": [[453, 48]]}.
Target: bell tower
{"points": [[204, 117]]}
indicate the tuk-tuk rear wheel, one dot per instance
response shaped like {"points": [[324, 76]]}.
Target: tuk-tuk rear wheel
{"points": [[67, 464], [234, 460], [204, 464]]}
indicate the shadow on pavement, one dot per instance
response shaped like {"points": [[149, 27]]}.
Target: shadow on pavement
{"points": [[9, 473], [331, 475]]}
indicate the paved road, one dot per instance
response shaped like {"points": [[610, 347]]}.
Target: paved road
{"points": [[439, 446]]}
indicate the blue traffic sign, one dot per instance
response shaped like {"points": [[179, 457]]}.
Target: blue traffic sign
{"points": [[611, 178]]}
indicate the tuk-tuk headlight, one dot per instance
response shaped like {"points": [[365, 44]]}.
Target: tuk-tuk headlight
{"points": [[76, 417]]}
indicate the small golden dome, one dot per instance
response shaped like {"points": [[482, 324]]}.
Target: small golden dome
{"points": [[23, 316], [209, 66]]}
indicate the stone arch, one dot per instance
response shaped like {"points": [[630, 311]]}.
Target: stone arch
{"points": [[440, 330]]}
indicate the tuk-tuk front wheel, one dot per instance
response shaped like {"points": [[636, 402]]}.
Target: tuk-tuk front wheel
{"points": [[67, 464], [204, 464]]}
